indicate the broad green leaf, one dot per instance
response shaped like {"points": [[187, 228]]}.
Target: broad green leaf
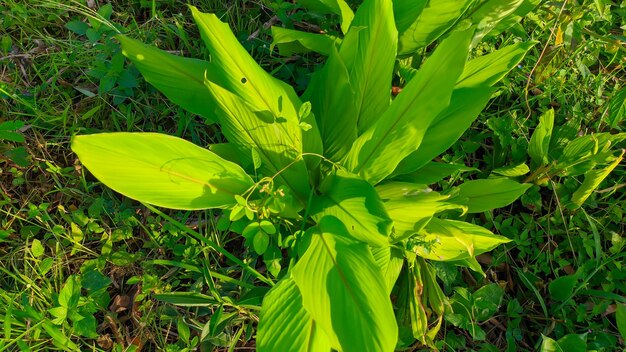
{"points": [[562, 288], [355, 202], [447, 128], [620, 318], [354, 87], [232, 153], [284, 324], [180, 79], [291, 42], [344, 291], [549, 345], [338, 7], [513, 170], [243, 77], [161, 170], [584, 153], [390, 261], [540, 140], [487, 194], [433, 172], [433, 21], [489, 69], [592, 180], [332, 96], [573, 342], [278, 150], [490, 13], [371, 59], [400, 130], [411, 213], [486, 301], [406, 12], [617, 108], [471, 263], [447, 240], [399, 190], [513, 18]]}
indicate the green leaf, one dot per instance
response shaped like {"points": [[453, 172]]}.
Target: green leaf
{"points": [[434, 20], [512, 170], [369, 50], [86, 326], [451, 240], [291, 42], [432, 172], [232, 153], [486, 301], [331, 95], [400, 130], [573, 343], [617, 108], [355, 83], [180, 79], [562, 288], [411, 213], [267, 98], [37, 249], [390, 261], [161, 170], [539, 145], [620, 318], [70, 293], [59, 339], [489, 69], [338, 7], [277, 149], [344, 291], [513, 18], [490, 13], [284, 324], [447, 127], [356, 203], [593, 179], [487, 194], [584, 153], [260, 242], [406, 12]]}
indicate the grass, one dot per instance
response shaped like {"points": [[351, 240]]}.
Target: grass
{"points": [[82, 267]]}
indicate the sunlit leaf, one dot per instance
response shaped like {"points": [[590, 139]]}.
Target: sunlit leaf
{"points": [[355, 202], [447, 127], [180, 79], [291, 42], [446, 240], [433, 21], [400, 130], [161, 170], [275, 100], [344, 291], [489, 69], [487, 194], [284, 324], [593, 179], [540, 140], [390, 261]]}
